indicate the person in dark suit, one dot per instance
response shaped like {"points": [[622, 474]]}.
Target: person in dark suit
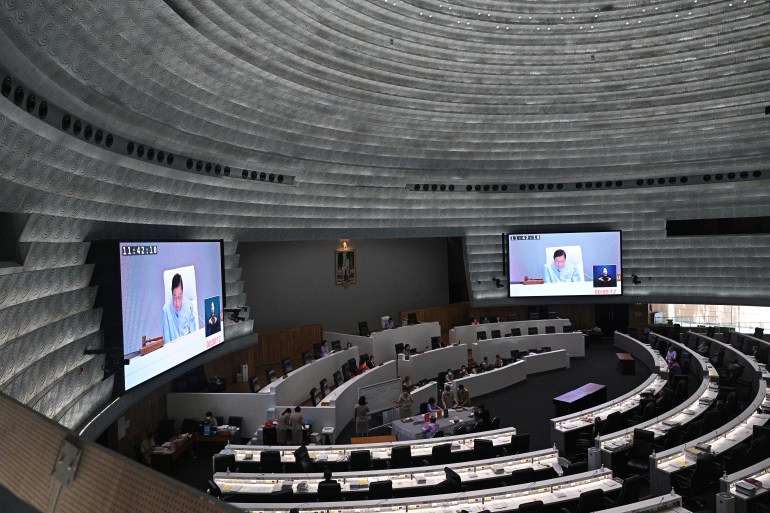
{"points": [[212, 324], [604, 279]]}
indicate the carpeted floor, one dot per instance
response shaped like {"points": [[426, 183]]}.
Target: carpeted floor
{"points": [[527, 405]]}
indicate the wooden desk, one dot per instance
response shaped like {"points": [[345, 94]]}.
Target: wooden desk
{"points": [[627, 363], [373, 439], [588, 395], [164, 459]]}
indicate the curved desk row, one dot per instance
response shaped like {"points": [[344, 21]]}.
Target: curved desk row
{"points": [[665, 463], [642, 352], [382, 344], [573, 343], [406, 482], [501, 377], [566, 427], [467, 334], [294, 388], [758, 474], [429, 364], [509, 498], [752, 370], [460, 445]]}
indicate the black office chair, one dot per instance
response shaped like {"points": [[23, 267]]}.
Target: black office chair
{"points": [[532, 507], [323, 387], [270, 375], [576, 467], [613, 423], [495, 334], [690, 484], [481, 335], [270, 462], [520, 443], [550, 329], [399, 348], [712, 420], [643, 446], [352, 365], [213, 489], [346, 373], [735, 461], [423, 408], [496, 423], [483, 449], [254, 384], [302, 457], [329, 492], [567, 328], [515, 332], [435, 342], [306, 357], [401, 456], [360, 460], [532, 330], [314, 400], [693, 430], [286, 366], [220, 420], [545, 349], [380, 490], [270, 435], [441, 454], [234, 420], [674, 437], [590, 501], [629, 493], [224, 463], [338, 379], [363, 329], [336, 345], [188, 426], [522, 475], [648, 412], [451, 484], [758, 450]]}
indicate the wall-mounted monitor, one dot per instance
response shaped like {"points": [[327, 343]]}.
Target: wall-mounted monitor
{"points": [[172, 304], [564, 264]]}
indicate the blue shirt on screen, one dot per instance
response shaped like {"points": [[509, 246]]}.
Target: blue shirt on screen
{"points": [[552, 274], [177, 324]]}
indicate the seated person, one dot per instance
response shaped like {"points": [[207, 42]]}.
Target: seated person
{"points": [[674, 367], [454, 426], [664, 402], [407, 383], [482, 418], [449, 377], [671, 353], [463, 372], [499, 361], [178, 314], [431, 428], [389, 324], [211, 419], [485, 366], [328, 476], [407, 351], [145, 449], [475, 322], [703, 347], [447, 397], [325, 350], [560, 270], [362, 367], [463, 397], [432, 406]]}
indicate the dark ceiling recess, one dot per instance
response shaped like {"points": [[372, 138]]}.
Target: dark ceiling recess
{"points": [[180, 12], [734, 226]]}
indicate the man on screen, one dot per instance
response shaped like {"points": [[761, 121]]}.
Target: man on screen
{"points": [[178, 315], [212, 324], [559, 270]]}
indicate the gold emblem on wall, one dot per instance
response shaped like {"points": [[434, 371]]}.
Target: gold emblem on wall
{"points": [[345, 264]]}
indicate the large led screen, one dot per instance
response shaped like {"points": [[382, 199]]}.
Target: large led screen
{"points": [[172, 304], [564, 264]]}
